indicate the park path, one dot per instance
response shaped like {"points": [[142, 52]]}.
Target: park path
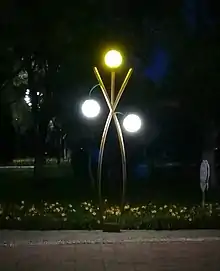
{"points": [[201, 252]]}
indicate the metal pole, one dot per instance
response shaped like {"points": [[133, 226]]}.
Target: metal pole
{"points": [[123, 86], [123, 161], [112, 87], [112, 104], [203, 199], [102, 86], [100, 162]]}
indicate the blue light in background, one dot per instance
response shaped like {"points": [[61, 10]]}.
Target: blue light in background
{"points": [[95, 155], [141, 171], [159, 65]]}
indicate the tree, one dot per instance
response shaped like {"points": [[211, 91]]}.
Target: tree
{"points": [[193, 80]]}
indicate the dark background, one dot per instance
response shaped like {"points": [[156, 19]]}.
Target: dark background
{"points": [[50, 47]]}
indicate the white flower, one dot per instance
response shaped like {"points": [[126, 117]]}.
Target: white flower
{"points": [[18, 218], [57, 203], [1, 212], [70, 205], [153, 211], [7, 218], [63, 214], [73, 210], [65, 219], [45, 204], [22, 202], [57, 209], [94, 213]]}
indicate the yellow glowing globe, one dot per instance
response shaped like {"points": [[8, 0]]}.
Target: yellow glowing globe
{"points": [[113, 59]]}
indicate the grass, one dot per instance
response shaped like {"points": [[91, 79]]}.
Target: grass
{"points": [[60, 183]]}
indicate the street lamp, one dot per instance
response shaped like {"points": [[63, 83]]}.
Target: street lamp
{"points": [[132, 123]]}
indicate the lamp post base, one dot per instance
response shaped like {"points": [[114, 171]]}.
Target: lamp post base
{"points": [[111, 227]]}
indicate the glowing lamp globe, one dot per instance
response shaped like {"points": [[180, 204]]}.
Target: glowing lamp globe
{"points": [[90, 108], [132, 123], [113, 59]]}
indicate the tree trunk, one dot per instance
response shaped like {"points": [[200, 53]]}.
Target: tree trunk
{"points": [[38, 163], [208, 153]]}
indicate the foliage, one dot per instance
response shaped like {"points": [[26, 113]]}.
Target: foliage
{"points": [[61, 215]]}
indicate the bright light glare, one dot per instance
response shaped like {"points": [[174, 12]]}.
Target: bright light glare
{"points": [[132, 123], [27, 98], [90, 108], [113, 59]]}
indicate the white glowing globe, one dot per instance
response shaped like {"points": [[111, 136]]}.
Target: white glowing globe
{"points": [[113, 59], [90, 108], [132, 123]]}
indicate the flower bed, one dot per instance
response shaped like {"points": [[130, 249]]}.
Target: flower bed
{"points": [[58, 215]]}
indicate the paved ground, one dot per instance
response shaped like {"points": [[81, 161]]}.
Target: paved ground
{"points": [[171, 253]]}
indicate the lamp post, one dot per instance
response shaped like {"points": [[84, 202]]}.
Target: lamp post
{"points": [[131, 123]]}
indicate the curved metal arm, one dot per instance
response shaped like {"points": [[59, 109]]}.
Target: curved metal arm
{"points": [[119, 113], [91, 90]]}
